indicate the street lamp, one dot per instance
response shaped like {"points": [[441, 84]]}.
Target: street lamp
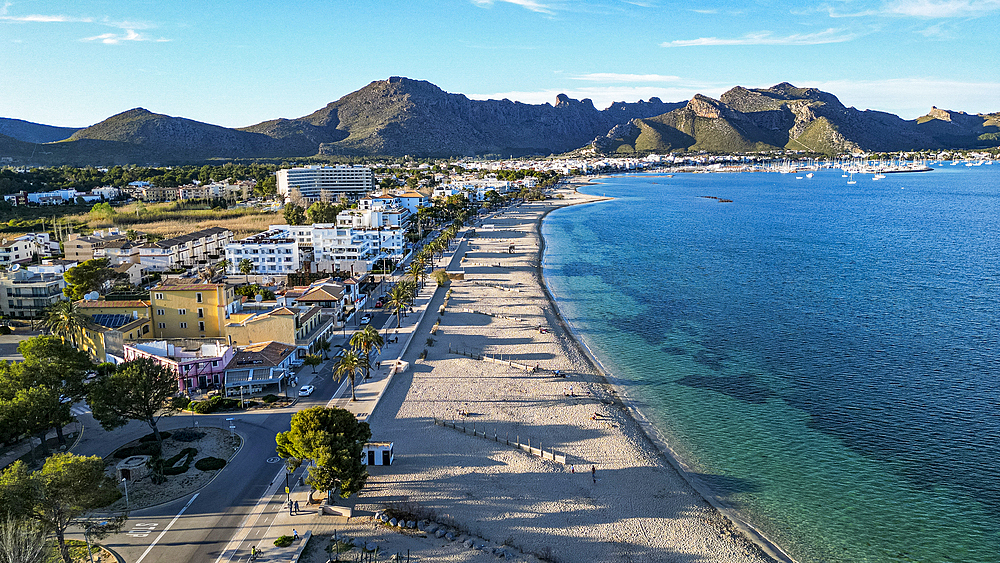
{"points": [[86, 536], [124, 480]]}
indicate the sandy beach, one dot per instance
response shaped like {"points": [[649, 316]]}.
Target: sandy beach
{"points": [[635, 506]]}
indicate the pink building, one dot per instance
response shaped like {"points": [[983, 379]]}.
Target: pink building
{"points": [[199, 363]]}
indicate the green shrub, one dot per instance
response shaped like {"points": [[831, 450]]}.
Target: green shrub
{"points": [[202, 407], [145, 448], [4, 329], [268, 399], [209, 463], [180, 403], [283, 541], [169, 467]]}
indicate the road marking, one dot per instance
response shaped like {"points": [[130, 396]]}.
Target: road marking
{"points": [[150, 548], [234, 544], [141, 529]]}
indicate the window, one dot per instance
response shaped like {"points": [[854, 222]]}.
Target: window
{"points": [[184, 325], [197, 297], [201, 313], [157, 296], [145, 329], [215, 363], [181, 311], [163, 325], [201, 326], [159, 311]]}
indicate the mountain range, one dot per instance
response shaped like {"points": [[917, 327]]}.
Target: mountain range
{"points": [[802, 119], [400, 116]]}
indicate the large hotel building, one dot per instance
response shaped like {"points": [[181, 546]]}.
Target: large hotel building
{"points": [[326, 183]]}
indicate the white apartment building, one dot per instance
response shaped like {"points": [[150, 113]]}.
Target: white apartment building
{"points": [[27, 294], [274, 251], [194, 249], [346, 248], [326, 183], [16, 251]]}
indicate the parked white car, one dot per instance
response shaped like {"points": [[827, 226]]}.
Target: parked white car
{"points": [[306, 390]]}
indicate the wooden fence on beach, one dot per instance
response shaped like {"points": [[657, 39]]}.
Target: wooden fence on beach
{"points": [[535, 450], [477, 354]]}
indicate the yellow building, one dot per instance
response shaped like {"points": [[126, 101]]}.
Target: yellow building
{"points": [[191, 309], [110, 325], [302, 327]]}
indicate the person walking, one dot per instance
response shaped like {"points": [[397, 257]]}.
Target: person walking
{"points": [[593, 473], [296, 507], [295, 534], [572, 469]]}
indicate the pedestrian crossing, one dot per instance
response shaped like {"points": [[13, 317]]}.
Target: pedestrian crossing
{"points": [[79, 410]]}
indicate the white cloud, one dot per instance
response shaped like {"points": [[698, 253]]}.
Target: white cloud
{"points": [[39, 18], [942, 8], [831, 35], [117, 38], [616, 77], [526, 4]]}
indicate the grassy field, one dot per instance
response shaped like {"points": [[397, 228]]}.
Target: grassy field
{"points": [[172, 219]]}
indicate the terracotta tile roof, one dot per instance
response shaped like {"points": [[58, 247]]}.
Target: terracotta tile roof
{"points": [[322, 293], [261, 354]]}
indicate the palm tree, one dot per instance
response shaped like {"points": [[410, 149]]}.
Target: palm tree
{"points": [[64, 318], [246, 268], [324, 346], [365, 341], [399, 298], [416, 270], [348, 365], [208, 273]]}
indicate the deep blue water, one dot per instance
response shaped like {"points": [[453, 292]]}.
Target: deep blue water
{"points": [[825, 355]]}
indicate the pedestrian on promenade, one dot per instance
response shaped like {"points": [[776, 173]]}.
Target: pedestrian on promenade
{"points": [[593, 473], [572, 469], [295, 534], [289, 507], [296, 507]]}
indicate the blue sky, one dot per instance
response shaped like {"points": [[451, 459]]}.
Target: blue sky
{"points": [[239, 63]]}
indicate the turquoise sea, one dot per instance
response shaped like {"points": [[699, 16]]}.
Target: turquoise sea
{"points": [[825, 356]]}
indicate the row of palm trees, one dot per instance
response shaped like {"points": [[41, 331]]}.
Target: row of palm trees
{"points": [[401, 297]]}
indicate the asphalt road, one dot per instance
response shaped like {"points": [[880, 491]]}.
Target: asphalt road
{"points": [[208, 526], [219, 523]]}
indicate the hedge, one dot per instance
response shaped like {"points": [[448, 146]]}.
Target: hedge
{"points": [[145, 448], [209, 464], [168, 465]]}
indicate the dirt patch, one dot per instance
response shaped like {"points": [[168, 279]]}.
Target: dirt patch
{"points": [[142, 492]]}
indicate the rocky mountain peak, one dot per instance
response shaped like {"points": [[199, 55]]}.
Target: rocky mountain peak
{"points": [[703, 106]]}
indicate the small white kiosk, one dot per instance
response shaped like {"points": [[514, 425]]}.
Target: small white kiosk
{"points": [[377, 453]]}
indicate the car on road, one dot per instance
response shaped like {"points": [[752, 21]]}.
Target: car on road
{"points": [[366, 319], [306, 390]]}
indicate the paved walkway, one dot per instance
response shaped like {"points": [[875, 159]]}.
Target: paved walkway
{"points": [[398, 342], [308, 521]]}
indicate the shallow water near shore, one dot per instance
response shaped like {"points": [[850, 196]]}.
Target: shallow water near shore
{"points": [[822, 354]]}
